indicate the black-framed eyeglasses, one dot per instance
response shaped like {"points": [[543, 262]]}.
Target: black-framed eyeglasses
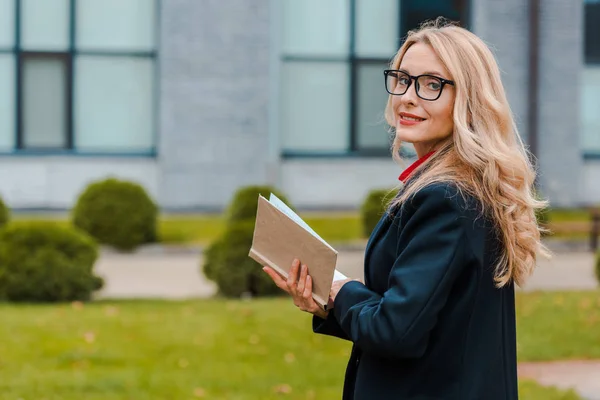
{"points": [[429, 87]]}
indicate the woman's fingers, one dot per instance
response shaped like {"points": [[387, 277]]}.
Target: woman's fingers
{"points": [[302, 280], [293, 277], [307, 294], [279, 281]]}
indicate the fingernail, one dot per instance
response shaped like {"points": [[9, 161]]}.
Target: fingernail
{"points": [[296, 262]]}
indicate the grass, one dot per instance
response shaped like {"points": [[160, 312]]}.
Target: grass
{"points": [[226, 349], [558, 325], [334, 227]]}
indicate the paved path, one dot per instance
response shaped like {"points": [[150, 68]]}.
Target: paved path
{"points": [[177, 275], [582, 376]]}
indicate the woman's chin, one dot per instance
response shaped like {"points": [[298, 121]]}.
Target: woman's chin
{"points": [[404, 136]]}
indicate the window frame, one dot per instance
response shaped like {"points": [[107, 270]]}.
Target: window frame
{"points": [[354, 62], [70, 56]]}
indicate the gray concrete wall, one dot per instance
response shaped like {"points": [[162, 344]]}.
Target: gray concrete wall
{"points": [[561, 60], [338, 182], [214, 80], [55, 182], [503, 25]]}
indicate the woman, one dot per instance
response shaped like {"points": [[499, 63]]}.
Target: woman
{"points": [[435, 318]]}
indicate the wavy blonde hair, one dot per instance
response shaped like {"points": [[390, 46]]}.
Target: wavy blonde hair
{"points": [[485, 156]]}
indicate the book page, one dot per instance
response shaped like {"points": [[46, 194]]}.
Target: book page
{"points": [[338, 276]]}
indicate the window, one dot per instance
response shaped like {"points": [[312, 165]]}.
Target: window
{"points": [[592, 31], [590, 80], [44, 105], [332, 59], [80, 75]]}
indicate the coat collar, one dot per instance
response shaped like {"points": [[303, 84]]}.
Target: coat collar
{"points": [[408, 171]]}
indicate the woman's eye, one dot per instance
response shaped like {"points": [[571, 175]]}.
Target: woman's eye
{"points": [[434, 85], [403, 81]]}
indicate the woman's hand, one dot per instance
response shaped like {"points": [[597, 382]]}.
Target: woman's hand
{"points": [[300, 288]]}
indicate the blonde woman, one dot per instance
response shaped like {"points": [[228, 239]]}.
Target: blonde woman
{"points": [[435, 318]]}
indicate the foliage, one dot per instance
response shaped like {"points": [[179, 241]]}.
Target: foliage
{"points": [[597, 267], [542, 215], [4, 213], [117, 213], [226, 260], [234, 272], [45, 262], [373, 208], [245, 202]]}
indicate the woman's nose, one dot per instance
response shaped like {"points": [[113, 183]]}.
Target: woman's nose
{"points": [[411, 94]]}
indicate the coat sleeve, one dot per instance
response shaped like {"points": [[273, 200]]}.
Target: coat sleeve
{"points": [[431, 253], [328, 326]]}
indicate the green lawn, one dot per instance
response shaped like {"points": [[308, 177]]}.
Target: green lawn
{"points": [[335, 227], [225, 349]]}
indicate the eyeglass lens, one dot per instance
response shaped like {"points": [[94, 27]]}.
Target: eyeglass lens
{"points": [[428, 87]]}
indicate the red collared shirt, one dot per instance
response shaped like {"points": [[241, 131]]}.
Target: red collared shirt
{"points": [[408, 171]]}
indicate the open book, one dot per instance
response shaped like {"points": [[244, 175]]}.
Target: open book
{"points": [[280, 235]]}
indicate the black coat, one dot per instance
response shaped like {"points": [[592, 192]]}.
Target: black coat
{"points": [[429, 322]]}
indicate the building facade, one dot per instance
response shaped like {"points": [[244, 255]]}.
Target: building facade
{"points": [[194, 98]]}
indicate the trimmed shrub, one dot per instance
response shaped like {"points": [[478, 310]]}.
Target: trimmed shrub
{"points": [[597, 269], [234, 272], [4, 213], [373, 208], [226, 260], [117, 213], [245, 201], [542, 215], [46, 262]]}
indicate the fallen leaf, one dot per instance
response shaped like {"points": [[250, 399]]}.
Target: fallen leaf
{"points": [[89, 337], [559, 300], [111, 311], [199, 392], [77, 305], [311, 394], [284, 388], [254, 339], [585, 304], [289, 358]]}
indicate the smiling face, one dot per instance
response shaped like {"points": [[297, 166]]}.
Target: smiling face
{"points": [[421, 122]]}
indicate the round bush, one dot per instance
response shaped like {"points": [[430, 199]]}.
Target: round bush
{"points": [[211, 263], [597, 269], [46, 262], [117, 213], [226, 260], [373, 208], [542, 215], [4, 213], [234, 272], [245, 201]]}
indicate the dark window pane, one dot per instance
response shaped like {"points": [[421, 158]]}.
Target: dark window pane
{"points": [[415, 12], [44, 101], [592, 31]]}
